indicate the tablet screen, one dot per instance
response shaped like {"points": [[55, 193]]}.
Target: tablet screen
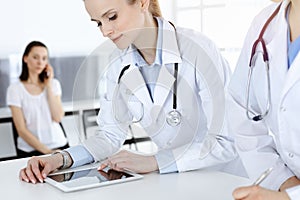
{"points": [[83, 179]]}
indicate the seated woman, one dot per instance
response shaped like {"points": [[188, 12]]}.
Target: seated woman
{"points": [[35, 103]]}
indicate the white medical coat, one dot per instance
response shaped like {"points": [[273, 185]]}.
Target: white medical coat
{"points": [[259, 149], [201, 140]]}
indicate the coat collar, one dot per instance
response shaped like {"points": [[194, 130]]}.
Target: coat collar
{"points": [[133, 78], [276, 39], [293, 74], [169, 46]]}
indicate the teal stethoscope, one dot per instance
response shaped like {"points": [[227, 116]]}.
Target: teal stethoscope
{"points": [[173, 117], [260, 116]]}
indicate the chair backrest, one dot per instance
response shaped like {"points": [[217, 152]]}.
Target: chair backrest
{"points": [[89, 119], [15, 136], [12, 154], [63, 129]]}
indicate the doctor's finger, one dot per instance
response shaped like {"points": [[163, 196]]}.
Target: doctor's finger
{"points": [[29, 173], [103, 165], [23, 176], [121, 166], [47, 169], [35, 165], [118, 160], [242, 192], [116, 163]]}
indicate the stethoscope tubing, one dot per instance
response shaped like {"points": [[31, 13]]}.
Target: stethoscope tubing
{"points": [[260, 40], [173, 118], [258, 117], [174, 104]]}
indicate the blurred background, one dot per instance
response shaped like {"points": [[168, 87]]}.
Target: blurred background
{"points": [[65, 27], [76, 53]]}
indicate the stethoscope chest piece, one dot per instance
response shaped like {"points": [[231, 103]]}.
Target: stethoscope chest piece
{"points": [[173, 118]]}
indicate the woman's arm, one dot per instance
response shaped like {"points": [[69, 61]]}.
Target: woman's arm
{"points": [[24, 133], [54, 101], [56, 109]]}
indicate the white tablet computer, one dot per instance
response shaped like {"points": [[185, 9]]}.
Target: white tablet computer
{"points": [[89, 178]]}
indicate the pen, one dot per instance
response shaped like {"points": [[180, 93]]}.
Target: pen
{"points": [[263, 176]]}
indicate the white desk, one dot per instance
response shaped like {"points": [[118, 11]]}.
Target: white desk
{"points": [[198, 185], [74, 106]]}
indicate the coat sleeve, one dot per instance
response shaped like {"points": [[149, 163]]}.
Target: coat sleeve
{"points": [[112, 133], [253, 142]]}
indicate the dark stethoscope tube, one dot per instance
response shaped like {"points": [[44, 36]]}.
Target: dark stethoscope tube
{"points": [[173, 117], [258, 117]]}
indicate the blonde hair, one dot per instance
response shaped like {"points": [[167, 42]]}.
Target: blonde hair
{"points": [[154, 7]]}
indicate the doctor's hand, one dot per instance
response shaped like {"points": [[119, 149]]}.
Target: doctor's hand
{"points": [[126, 160], [38, 168], [257, 193], [111, 174], [291, 182]]}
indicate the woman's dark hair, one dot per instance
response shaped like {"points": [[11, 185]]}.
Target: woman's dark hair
{"points": [[24, 74]]}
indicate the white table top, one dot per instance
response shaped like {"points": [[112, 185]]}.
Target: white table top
{"points": [[200, 185], [68, 107]]}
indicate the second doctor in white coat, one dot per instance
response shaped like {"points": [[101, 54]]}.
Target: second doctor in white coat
{"points": [[151, 48], [274, 140]]}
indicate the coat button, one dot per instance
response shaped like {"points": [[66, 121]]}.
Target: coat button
{"points": [[128, 92], [291, 155]]}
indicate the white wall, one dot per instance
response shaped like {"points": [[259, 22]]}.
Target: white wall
{"points": [[63, 25]]}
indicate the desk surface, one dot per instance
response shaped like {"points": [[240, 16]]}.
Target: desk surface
{"points": [[200, 185], [68, 107]]}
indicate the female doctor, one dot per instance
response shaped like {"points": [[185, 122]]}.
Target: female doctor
{"points": [[169, 79], [264, 108]]}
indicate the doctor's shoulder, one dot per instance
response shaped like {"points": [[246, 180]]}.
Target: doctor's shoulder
{"points": [[204, 50], [261, 17], [192, 37]]}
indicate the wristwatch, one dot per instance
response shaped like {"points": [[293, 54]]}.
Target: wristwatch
{"points": [[66, 158]]}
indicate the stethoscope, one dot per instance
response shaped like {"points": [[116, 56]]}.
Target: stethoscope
{"points": [[173, 118], [257, 116]]}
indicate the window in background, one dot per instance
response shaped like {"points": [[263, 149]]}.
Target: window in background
{"points": [[224, 21]]}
